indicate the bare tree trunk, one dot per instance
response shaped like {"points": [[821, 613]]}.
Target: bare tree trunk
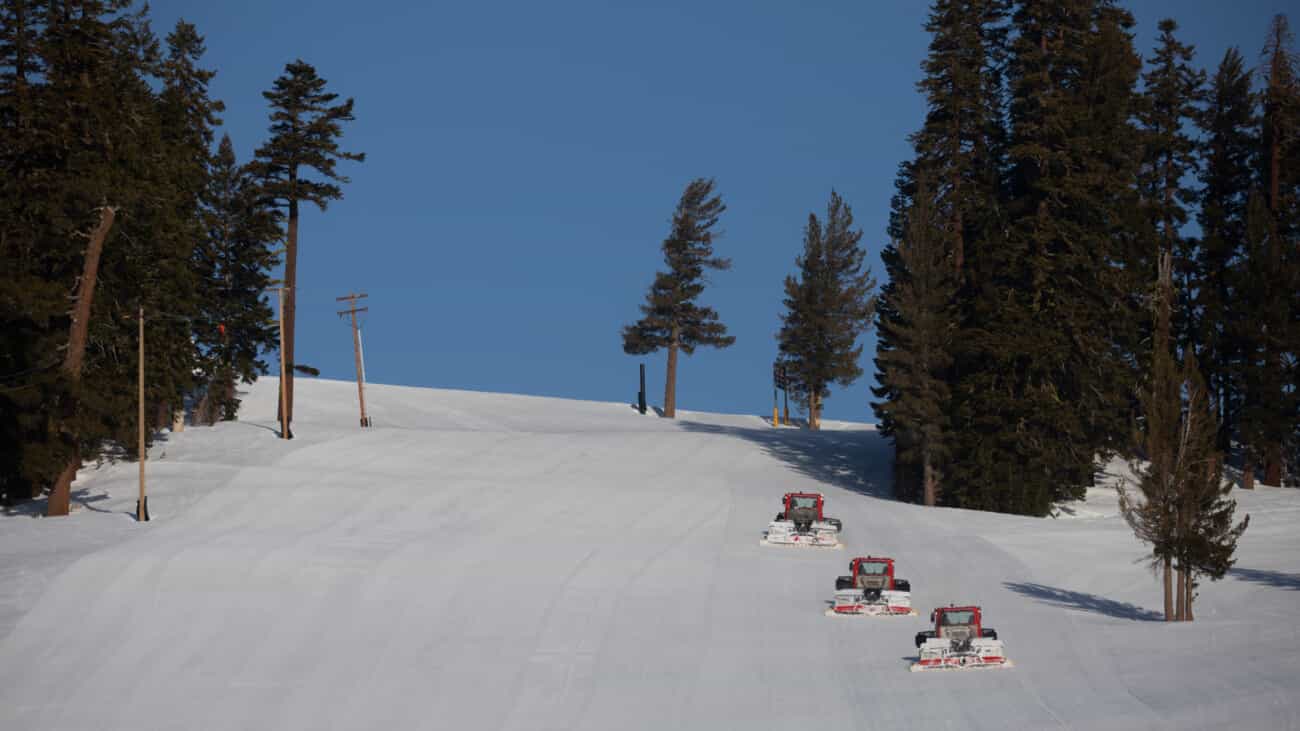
{"points": [[202, 409], [1169, 589], [1248, 472], [1273, 465], [61, 494], [1187, 599], [1272, 451], [291, 298], [670, 383], [900, 486], [230, 394], [1180, 601], [931, 480], [958, 226]]}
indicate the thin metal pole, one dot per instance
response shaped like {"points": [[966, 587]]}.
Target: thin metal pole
{"points": [[141, 511], [284, 408]]}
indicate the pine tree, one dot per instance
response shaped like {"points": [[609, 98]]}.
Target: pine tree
{"points": [[1173, 93], [171, 290], [671, 318], [1206, 538], [1279, 159], [305, 128], [828, 306], [1265, 295], [963, 146], [1153, 512], [962, 139], [916, 319], [234, 264], [1183, 509], [1228, 126]]}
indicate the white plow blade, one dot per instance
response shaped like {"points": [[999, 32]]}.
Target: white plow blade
{"points": [[853, 602], [937, 654], [782, 533]]}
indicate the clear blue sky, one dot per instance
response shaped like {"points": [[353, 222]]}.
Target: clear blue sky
{"points": [[524, 158]]}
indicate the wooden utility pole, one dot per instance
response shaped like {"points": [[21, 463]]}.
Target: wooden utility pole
{"points": [[284, 409], [141, 505], [352, 310]]}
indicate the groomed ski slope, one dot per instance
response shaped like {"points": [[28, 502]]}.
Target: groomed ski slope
{"points": [[484, 561]]}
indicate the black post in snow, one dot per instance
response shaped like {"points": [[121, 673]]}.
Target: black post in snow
{"points": [[640, 396]]}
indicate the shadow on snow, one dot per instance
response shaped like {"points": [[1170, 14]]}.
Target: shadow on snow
{"points": [[1268, 578], [1081, 600], [852, 460]]}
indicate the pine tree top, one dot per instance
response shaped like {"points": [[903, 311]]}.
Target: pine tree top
{"points": [[306, 125], [828, 305], [670, 315]]}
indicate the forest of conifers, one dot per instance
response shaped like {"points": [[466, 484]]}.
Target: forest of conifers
{"points": [[117, 204], [1056, 166]]}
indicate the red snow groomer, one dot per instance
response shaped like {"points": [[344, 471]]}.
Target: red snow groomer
{"points": [[801, 523], [959, 640], [871, 589]]}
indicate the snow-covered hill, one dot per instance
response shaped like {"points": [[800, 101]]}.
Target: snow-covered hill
{"points": [[485, 561]]}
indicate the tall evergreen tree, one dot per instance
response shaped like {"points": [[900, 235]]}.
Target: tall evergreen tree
{"points": [[234, 263], [1153, 511], [1279, 160], [1266, 296], [1228, 126], [916, 320], [671, 317], [962, 146], [172, 293], [828, 306], [1170, 104], [306, 125], [962, 140], [1182, 507]]}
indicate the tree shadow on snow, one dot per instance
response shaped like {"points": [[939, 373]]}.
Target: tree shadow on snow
{"points": [[36, 507], [1268, 578], [273, 429], [1084, 601], [856, 460]]}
